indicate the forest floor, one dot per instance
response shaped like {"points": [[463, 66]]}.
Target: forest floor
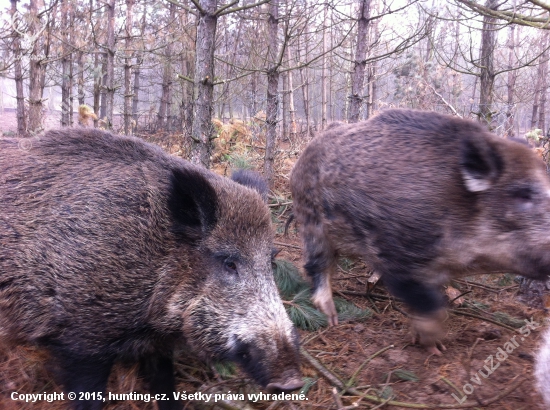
{"points": [[372, 356]]}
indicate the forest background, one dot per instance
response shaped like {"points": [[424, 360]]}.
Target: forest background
{"points": [[287, 67]]}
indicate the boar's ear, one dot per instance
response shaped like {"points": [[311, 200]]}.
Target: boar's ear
{"points": [[192, 204], [252, 180], [480, 164]]}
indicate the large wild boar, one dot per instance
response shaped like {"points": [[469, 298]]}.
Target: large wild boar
{"points": [[422, 197], [112, 249]]}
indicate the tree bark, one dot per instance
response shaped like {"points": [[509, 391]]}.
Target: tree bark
{"points": [[291, 108], [358, 74], [512, 76], [80, 81], [66, 74], [137, 72], [128, 129], [18, 71], [272, 102], [37, 69], [487, 71], [99, 95], [202, 131], [305, 92], [110, 65], [163, 115], [541, 123], [324, 102]]}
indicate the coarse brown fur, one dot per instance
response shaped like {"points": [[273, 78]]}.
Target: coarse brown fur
{"points": [[422, 197], [112, 249]]}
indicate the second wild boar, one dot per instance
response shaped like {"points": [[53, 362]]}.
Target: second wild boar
{"points": [[422, 197]]}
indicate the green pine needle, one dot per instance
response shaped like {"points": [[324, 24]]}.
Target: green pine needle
{"points": [[347, 311], [309, 382], [508, 320], [303, 314], [405, 375], [386, 393], [225, 369], [296, 293], [288, 278]]}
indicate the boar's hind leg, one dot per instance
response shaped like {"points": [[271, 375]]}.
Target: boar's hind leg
{"points": [[158, 371], [428, 310], [85, 375], [320, 264]]}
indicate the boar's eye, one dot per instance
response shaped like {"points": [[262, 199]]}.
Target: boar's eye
{"points": [[523, 193], [230, 266]]}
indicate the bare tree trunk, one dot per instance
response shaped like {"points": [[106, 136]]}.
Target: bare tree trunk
{"points": [[80, 81], [358, 75], [305, 95], [540, 85], [254, 94], [187, 97], [137, 72], [202, 131], [324, 73], [291, 109], [98, 90], [103, 87], [543, 84], [487, 72], [285, 96], [110, 75], [71, 74], [128, 69], [371, 73], [372, 89], [272, 102], [135, 94], [37, 69], [18, 71], [66, 107], [512, 76], [163, 115], [225, 94]]}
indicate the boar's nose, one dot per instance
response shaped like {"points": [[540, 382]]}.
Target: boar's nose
{"points": [[291, 385]]}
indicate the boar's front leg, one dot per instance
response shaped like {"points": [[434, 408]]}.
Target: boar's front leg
{"points": [[158, 371], [427, 307], [82, 375], [320, 265]]}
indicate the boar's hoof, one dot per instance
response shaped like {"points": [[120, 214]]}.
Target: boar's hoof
{"points": [[324, 302], [291, 385], [427, 330]]}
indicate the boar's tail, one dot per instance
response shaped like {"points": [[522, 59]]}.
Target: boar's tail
{"points": [[288, 222]]}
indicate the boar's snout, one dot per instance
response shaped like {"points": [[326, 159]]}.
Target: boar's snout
{"points": [[291, 385], [275, 366]]}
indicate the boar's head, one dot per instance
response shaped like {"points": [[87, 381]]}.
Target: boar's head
{"points": [[230, 307]]}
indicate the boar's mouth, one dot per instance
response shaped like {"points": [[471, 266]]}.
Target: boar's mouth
{"points": [[256, 363]]}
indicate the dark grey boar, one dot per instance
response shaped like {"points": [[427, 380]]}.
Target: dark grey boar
{"points": [[111, 249], [422, 197], [251, 179]]}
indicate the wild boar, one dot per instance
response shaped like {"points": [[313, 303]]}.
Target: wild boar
{"points": [[422, 197], [251, 179], [112, 249]]}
